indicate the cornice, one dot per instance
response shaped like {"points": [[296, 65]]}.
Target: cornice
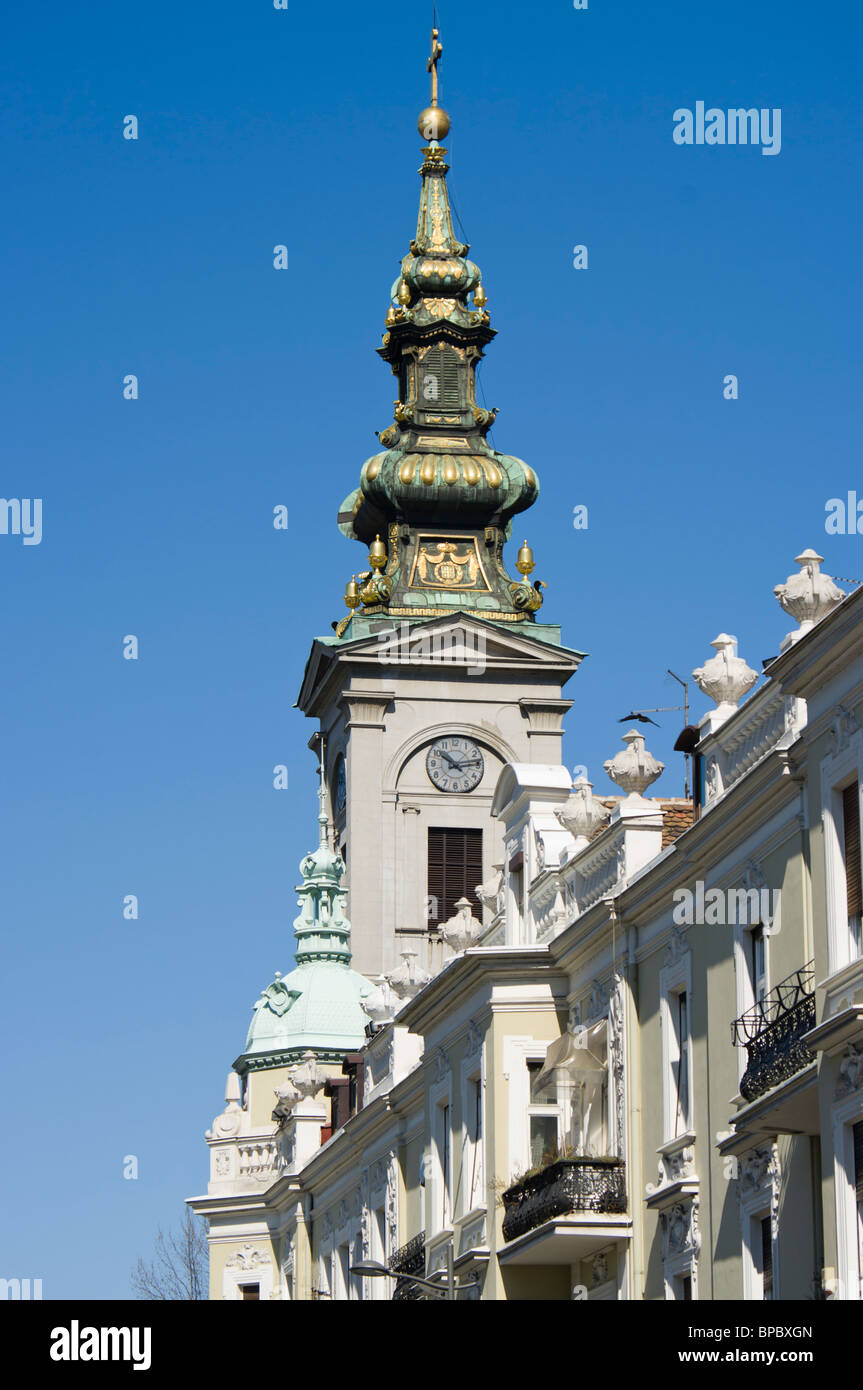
{"points": [[464, 972]]}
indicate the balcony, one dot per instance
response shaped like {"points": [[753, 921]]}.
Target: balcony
{"points": [[772, 1033], [409, 1259], [571, 1185]]}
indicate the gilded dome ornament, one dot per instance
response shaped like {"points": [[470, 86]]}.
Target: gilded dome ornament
{"points": [[525, 562], [377, 554]]}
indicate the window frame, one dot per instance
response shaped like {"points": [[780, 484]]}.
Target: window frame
{"points": [[838, 772], [676, 979]]}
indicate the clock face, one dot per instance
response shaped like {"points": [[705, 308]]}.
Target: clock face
{"points": [[341, 789], [454, 764]]}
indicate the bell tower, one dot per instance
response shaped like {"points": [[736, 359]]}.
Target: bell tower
{"points": [[439, 673]]}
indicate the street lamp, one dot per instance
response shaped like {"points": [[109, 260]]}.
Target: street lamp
{"points": [[371, 1269]]}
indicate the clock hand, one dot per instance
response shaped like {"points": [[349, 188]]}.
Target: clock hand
{"points": [[450, 760]]}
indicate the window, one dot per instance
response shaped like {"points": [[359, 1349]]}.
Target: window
{"points": [[251, 1291], [680, 1060], [675, 1022], [344, 1269], [766, 1258], [474, 1196], [758, 965], [543, 1118], [454, 868], [439, 379], [380, 1288], [444, 1166], [851, 849]]}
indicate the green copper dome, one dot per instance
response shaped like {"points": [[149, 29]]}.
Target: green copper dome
{"points": [[423, 488], [318, 1006]]}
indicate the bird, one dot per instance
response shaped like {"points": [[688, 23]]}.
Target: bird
{"points": [[642, 718]]}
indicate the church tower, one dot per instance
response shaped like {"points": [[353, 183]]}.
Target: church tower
{"points": [[440, 672]]}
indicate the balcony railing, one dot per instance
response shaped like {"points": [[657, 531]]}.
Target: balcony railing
{"points": [[409, 1259], [772, 1032], [568, 1186]]}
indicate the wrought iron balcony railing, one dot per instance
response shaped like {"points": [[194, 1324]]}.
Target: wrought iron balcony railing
{"points": [[409, 1259], [570, 1185], [771, 1031]]}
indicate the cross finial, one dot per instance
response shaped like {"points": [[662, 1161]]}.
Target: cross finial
{"points": [[431, 65]]}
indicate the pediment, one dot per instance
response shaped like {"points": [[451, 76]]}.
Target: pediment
{"points": [[453, 640]]}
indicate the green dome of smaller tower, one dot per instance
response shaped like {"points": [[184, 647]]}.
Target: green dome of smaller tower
{"points": [[318, 1006]]}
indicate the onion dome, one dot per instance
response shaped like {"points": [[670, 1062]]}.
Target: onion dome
{"points": [[487, 488]]}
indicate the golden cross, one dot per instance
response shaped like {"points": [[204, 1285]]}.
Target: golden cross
{"points": [[431, 65]]}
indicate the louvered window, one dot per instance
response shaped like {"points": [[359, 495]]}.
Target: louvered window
{"points": [[851, 817], [439, 380], [454, 870]]}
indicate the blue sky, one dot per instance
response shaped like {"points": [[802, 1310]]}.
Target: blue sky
{"points": [[257, 387]]}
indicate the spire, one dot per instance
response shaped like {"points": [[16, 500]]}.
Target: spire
{"points": [[323, 820], [322, 930], [436, 505]]}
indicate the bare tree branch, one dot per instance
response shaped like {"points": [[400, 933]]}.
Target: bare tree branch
{"points": [[179, 1269]]}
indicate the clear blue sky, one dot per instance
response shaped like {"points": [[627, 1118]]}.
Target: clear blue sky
{"points": [[260, 387]]}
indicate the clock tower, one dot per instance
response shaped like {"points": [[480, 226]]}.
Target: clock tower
{"points": [[440, 672]]}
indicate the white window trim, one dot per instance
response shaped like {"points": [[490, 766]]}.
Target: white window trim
{"points": [[836, 773], [440, 1095], [743, 982], [232, 1279], [844, 1115], [756, 1208], [517, 1052], [472, 1071], [674, 979], [678, 1267]]}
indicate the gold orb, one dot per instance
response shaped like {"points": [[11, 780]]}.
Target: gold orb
{"points": [[480, 298], [433, 123]]}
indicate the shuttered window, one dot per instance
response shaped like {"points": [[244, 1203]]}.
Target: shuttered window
{"points": [[454, 870], [439, 380], [851, 817]]}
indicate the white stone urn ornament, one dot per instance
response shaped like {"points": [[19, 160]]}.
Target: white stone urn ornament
{"points": [[583, 813], [633, 768], [808, 596], [725, 678], [407, 979], [489, 893], [380, 1004], [462, 930], [305, 1077], [287, 1096]]}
